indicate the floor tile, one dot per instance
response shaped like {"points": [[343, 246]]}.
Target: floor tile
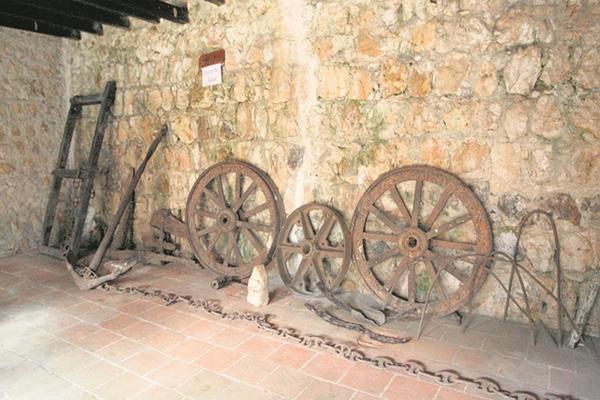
{"points": [[123, 386], [173, 373], [229, 337], [319, 390], [403, 388], [286, 382], [251, 369], [218, 359], [367, 379], [203, 329], [145, 361], [189, 350], [259, 346], [327, 366], [204, 385]]}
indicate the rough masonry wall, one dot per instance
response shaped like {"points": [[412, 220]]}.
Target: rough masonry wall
{"points": [[327, 95], [32, 115]]}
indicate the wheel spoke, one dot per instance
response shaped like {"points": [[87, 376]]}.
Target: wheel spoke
{"points": [[255, 210], [238, 187], [411, 285], [437, 210], [204, 213], [254, 226], [206, 231], [222, 200], [416, 210], [302, 270], [391, 252], [255, 241], [244, 197], [236, 249], [213, 242], [400, 204], [212, 196], [448, 226], [319, 268], [394, 279], [449, 244], [385, 218], [325, 229], [457, 273], [382, 237], [447, 266], [291, 248], [435, 278], [307, 227], [228, 250], [330, 252]]}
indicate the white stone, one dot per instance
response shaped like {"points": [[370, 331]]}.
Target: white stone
{"points": [[522, 71], [258, 287]]}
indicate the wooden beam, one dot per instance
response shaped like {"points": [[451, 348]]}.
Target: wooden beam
{"points": [[39, 27], [164, 10], [72, 8], [13, 8], [122, 8]]}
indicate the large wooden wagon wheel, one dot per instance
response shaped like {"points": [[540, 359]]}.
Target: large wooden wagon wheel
{"points": [[233, 216], [313, 247], [409, 224]]}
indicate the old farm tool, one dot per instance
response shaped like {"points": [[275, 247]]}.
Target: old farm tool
{"points": [[233, 215], [125, 200], [84, 175], [399, 251], [166, 228], [313, 247]]}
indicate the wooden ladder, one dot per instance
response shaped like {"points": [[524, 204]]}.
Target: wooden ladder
{"points": [[86, 175]]}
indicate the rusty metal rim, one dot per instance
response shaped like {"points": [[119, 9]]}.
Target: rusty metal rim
{"points": [[458, 189], [315, 246], [275, 208]]}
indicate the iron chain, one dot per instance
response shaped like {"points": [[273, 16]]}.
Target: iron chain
{"points": [[411, 367]]}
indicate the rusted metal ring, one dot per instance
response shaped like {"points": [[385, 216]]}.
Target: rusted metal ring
{"points": [[233, 216], [314, 247], [397, 246]]}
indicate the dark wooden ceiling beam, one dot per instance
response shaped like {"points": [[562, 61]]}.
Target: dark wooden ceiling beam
{"points": [[121, 7], [10, 7], [67, 18], [164, 10], [48, 29], [71, 8]]}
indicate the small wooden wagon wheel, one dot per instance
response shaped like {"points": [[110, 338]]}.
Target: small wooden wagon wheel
{"points": [[233, 216], [399, 250], [313, 246]]}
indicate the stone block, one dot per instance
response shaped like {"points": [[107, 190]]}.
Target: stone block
{"points": [[522, 70], [450, 74], [395, 77], [546, 119]]}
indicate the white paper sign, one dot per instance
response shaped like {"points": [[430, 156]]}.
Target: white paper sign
{"points": [[211, 75]]}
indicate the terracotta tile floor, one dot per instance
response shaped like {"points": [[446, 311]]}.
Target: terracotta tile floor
{"points": [[59, 342]]}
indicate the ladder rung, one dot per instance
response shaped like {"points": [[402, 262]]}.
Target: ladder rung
{"points": [[70, 173], [88, 100]]}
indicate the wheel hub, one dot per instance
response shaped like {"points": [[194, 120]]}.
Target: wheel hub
{"points": [[413, 242], [308, 249], [227, 220]]}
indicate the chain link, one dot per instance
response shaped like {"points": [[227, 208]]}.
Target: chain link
{"points": [[484, 385]]}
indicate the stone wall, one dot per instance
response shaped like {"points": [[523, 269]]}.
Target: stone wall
{"points": [[327, 95], [32, 115]]}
